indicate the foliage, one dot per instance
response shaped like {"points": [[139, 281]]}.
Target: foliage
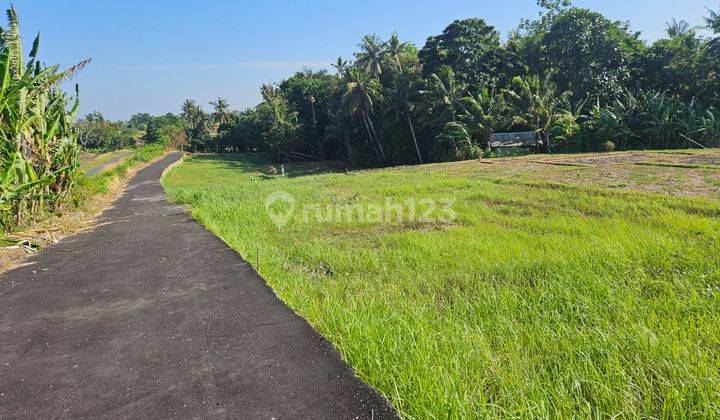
{"points": [[712, 23], [472, 49], [561, 75], [536, 105], [221, 112], [163, 129], [38, 140], [311, 94], [647, 120], [139, 121], [197, 125], [673, 65], [96, 133], [455, 143], [589, 55]]}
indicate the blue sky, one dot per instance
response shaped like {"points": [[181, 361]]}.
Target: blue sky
{"points": [[149, 55]]}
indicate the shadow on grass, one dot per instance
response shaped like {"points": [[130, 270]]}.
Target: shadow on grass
{"points": [[267, 169]]}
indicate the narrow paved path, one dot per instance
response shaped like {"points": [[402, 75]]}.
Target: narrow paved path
{"points": [[116, 160], [151, 316]]}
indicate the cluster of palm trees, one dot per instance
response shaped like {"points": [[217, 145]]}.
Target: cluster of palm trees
{"points": [[382, 110], [199, 124], [38, 143], [395, 104]]}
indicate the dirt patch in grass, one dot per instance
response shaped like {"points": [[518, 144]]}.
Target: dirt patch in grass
{"points": [[606, 159], [676, 173], [700, 160]]}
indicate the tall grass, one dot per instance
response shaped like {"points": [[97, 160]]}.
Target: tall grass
{"points": [[541, 299], [38, 144]]}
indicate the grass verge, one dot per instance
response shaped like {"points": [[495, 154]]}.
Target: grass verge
{"points": [[101, 182], [539, 299], [90, 160]]}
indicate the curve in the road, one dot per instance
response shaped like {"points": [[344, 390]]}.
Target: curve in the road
{"points": [[109, 164]]}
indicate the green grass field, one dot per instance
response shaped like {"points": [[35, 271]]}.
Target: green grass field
{"points": [[539, 299]]}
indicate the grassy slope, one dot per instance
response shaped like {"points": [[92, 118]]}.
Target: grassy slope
{"points": [[540, 299], [91, 160], [99, 183]]}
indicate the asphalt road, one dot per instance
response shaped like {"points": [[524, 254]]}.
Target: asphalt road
{"points": [[151, 316], [109, 164]]}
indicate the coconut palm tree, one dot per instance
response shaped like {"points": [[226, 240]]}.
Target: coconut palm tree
{"points": [[359, 95], [341, 66], [676, 28], [480, 114], [443, 97], [281, 123], [401, 104], [371, 58], [190, 112], [221, 111], [395, 48], [536, 104], [197, 123]]}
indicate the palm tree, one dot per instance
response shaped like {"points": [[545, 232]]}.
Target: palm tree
{"points": [[712, 23], [197, 123], [400, 92], [535, 104], [338, 130], [480, 114], [221, 111], [371, 58], [341, 66], [443, 97], [359, 96], [190, 112], [401, 104], [677, 28], [394, 49], [272, 98]]}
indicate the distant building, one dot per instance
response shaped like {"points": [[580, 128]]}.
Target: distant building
{"points": [[520, 140]]}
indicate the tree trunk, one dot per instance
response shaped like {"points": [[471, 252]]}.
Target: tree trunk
{"points": [[377, 139], [349, 149], [317, 138], [367, 127], [412, 131], [373, 135]]}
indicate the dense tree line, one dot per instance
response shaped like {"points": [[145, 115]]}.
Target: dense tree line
{"points": [[98, 134], [581, 81]]}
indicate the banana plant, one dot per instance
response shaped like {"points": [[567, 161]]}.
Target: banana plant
{"points": [[38, 144]]}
